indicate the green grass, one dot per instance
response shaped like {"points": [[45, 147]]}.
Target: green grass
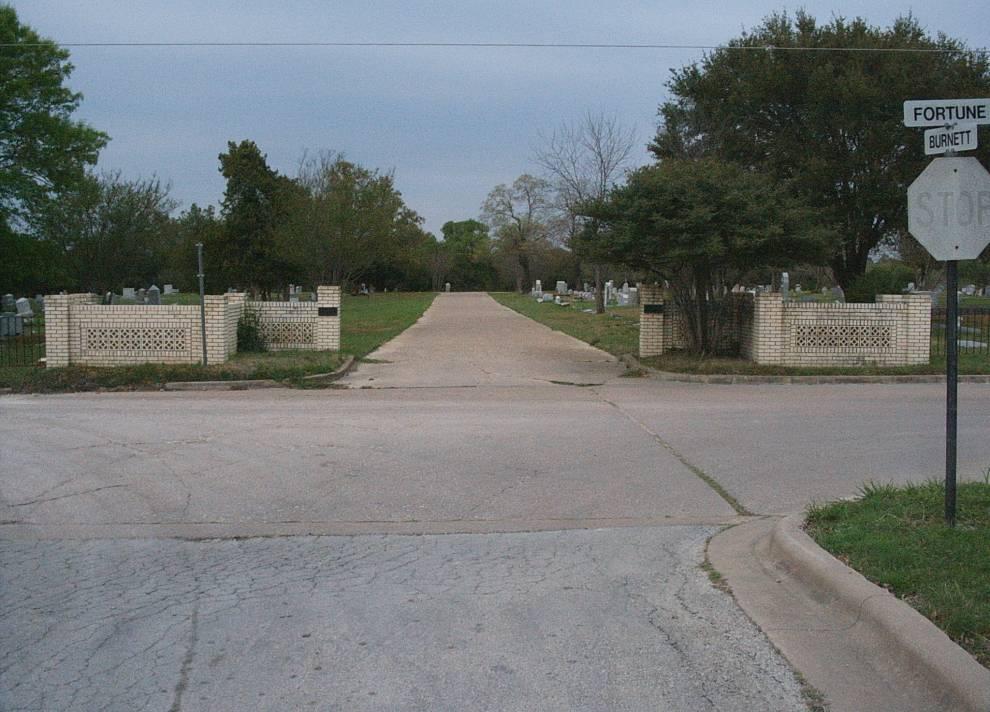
{"points": [[896, 537], [366, 323], [616, 331]]}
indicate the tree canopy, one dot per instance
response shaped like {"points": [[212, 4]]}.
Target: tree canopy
{"points": [[827, 122], [43, 152], [701, 224]]}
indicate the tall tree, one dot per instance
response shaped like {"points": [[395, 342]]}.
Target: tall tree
{"points": [[520, 215], [470, 254], [111, 231], [255, 205], [701, 224], [584, 160], [43, 152], [346, 219], [828, 121]]}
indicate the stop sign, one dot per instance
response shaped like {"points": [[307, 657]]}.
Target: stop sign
{"points": [[949, 208]]}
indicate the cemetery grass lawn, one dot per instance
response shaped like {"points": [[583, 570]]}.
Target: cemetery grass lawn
{"points": [[616, 331], [896, 537], [366, 323]]}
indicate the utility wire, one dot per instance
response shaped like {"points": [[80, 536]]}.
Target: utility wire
{"points": [[499, 45]]}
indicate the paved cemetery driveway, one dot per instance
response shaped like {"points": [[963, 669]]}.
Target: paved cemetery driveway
{"points": [[469, 339], [455, 534]]}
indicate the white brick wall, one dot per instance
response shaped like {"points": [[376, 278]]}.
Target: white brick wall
{"points": [[80, 330]]}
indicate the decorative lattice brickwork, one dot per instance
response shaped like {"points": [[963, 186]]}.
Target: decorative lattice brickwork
{"points": [[137, 338], [839, 337], [288, 334]]}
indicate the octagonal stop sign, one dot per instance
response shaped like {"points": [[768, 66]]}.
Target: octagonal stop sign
{"points": [[949, 208]]}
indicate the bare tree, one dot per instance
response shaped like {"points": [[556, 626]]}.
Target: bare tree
{"points": [[584, 160], [519, 215]]}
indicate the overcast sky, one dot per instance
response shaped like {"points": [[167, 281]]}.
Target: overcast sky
{"points": [[450, 122]]}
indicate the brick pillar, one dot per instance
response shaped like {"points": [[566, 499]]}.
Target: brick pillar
{"points": [[651, 320], [57, 330], [768, 328], [914, 342], [216, 328], [328, 318]]}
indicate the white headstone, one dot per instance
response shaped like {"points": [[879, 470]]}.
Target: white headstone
{"points": [[446, 287], [8, 302], [154, 295], [561, 287], [24, 307], [785, 285], [128, 293]]}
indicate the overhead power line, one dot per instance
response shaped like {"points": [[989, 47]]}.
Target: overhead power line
{"points": [[509, 45]]}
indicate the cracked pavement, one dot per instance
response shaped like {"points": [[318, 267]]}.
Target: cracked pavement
{"points": [[506, 544]]}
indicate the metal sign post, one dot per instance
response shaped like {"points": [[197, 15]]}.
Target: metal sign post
{"points": [[202, 300], [951, 386], [949, 214]]}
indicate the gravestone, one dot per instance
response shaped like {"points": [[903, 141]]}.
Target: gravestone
{"points": [[969, 290], [785, 285], [910, 288], [11, 325], [154, 295], [625, 288], [128, 293], [39, 299], [141, 296], [169, 289], [840, 296], [108, 298], [8, 302], [294, 298], [634, 296], [24, 307], [561, 287], [446, 287]]}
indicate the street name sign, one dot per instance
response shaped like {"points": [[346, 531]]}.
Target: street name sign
{"points": [[960, 137], [942, 112], [949, 208]]}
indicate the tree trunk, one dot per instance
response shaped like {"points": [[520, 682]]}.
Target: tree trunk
{"points": [[599, 291], [524, 264]]}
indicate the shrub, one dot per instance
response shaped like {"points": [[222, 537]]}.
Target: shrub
{"points": [[249, 331], [886, 278]]}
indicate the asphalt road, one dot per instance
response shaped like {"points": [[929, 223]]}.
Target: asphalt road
{"points": [[450, 532]]}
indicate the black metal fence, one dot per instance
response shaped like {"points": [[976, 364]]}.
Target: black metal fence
{"points": [[974, 330], [22, 340]]}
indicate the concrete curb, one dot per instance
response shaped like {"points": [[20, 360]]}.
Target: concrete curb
{"points": [[925, 649], [250, 385], [220, 385], [341, 370], [728, 378]]}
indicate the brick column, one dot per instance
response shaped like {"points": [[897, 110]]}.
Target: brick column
{"points": [[914, 342], [216, 329], [328, 318], [57, 330], [768, 328], [651, 320]]}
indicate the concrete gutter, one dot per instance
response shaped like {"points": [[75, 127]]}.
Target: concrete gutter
{"points": [[632, 362], [855, 642]]}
